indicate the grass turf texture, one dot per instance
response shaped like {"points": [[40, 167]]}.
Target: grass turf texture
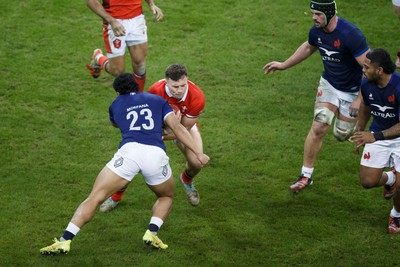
{"points": [[55, 138]]}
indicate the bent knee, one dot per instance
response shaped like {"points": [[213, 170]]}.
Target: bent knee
{"points": [[367, 183], [342, 130]]}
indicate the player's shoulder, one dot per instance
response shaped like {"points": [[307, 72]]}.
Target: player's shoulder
{"points": [[347, 27], [395, 80], [157, 86], [396, 76], [150, 96], [194, 88]]}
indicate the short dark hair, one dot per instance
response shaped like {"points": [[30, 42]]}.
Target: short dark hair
{"points": [[381, 58], [175, 72], [125, 83]]}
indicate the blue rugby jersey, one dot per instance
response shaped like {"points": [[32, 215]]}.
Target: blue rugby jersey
{"points": [[140, 118], [338, 51], [384, 102]]}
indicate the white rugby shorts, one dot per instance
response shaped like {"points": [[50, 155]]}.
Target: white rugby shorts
{"points": [[133, 158], [328, 94], [396, 2], [136, 33], [382, 154]]}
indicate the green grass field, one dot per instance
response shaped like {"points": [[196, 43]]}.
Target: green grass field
{"points": [[55, 137]]}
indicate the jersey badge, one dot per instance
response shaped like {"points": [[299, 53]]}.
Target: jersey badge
{"points": [[117, 43], [336, 44], [118, 162], [391, 99]]}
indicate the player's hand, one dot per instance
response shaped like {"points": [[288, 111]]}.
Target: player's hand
{"points": [[272, 67], [362, 138], [158, 12], [118, 28], [178, 114], [204, 159], [354, 107]]}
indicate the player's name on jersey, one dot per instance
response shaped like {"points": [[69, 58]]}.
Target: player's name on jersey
{"points": [[138, 106]]}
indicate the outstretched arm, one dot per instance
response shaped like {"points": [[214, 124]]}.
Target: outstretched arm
{"points": [[303, 51]]}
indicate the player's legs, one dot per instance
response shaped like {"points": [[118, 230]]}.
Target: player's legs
{"points": [[161, 208], [375, 158], [138, 55], [165, 195], [326, 106], [372, 177], [136, 40], [192, 168], [116, 65], [396, 6], [107, 182], [316, 135], [394, 217], [158, 176]]}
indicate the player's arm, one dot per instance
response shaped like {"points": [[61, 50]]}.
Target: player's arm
{"points": [[155, 10], [361, 137], [186, 122], [392, 132], [98, 9], [303, 51], [361, 58], [355, 105], [184, 136], [364, 115]]}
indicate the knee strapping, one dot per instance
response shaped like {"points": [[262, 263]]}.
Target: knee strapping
{"points": [[343, 129], [323, 115]]}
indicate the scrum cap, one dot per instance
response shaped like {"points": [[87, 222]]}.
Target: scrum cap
{"points": [[327, 7]]}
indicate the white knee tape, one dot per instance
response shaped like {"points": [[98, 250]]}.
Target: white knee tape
{"points": [[323, 115], [343, 129]]}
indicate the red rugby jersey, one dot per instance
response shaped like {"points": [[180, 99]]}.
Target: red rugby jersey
{"points": [[123, 9], [192, 103]]}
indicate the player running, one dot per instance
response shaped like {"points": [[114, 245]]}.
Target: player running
{"points": [[124, 26], [342, 47]]}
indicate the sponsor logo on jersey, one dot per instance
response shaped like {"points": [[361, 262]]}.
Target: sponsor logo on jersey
{"points": [[382, 111], [328, 55], [383, 115]]}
